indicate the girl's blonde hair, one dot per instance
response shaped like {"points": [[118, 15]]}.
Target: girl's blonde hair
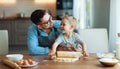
{"points": [[72, 20]]}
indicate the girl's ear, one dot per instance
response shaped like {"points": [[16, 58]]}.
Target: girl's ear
{"points": [[72, 26]]}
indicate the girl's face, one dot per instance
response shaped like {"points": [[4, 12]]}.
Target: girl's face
{"points": [[65, 26]]}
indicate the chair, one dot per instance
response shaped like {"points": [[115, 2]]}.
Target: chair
{"points": [[96, 39], [3, 41]]}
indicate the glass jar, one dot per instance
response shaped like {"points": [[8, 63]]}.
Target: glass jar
{"points": [[118, 47]]}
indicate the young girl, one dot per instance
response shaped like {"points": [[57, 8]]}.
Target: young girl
{"points": [[68, 38]]}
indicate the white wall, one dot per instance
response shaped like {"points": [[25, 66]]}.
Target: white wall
{"points": [[106, 14], [99, 13]]}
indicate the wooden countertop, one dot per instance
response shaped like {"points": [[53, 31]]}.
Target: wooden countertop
{"points": [[44, 63], [15, 18]]}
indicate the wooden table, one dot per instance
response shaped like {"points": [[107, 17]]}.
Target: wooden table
{"points": [[84, 63]]}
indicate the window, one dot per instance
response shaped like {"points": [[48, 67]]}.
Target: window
{"points": [[81, 10]]}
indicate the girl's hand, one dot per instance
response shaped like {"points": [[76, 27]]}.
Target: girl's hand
{"points": [[51, 53], [85, 54], [78, 49]]}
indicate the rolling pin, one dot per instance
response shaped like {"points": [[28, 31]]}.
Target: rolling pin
{"points": [[11, 64]]}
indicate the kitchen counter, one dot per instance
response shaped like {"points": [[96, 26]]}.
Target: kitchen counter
{"points": [[14, 18], [45, 63]]}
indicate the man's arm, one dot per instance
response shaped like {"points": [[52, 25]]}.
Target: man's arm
{"points": [[56, 23], [33, 44]]}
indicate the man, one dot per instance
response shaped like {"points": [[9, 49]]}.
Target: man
{"points": [[43, 32]]}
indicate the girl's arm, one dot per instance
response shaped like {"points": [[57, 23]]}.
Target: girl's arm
{"points": [[54, 46], [83, 46], [84, 52]]}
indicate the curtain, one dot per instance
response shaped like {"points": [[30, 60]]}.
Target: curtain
{"points": [[79, 12], [114, 23]]}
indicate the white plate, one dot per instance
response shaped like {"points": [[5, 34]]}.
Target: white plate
{"points": [[29, 65], [15, 57], [109, 60], [105, 55]]}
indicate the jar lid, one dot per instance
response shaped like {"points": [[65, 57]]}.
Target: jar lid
{"points": [[118, 34]]}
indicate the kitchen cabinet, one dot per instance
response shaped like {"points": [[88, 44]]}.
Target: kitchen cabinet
{"points": [[17, 30], [20, 31], [64, 7], [7, 25]]}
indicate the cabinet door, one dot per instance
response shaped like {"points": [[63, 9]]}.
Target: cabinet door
{"points": [[21, 27], [7, 25]]}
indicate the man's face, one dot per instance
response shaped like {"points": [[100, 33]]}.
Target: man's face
{"points": [[46, 22]]}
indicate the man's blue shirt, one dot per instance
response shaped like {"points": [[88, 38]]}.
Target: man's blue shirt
{"points": [[38, 41]]}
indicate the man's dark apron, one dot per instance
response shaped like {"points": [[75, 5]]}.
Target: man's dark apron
{"points": [[45, 41]]}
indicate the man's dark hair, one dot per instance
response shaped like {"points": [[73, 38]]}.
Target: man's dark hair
{"points": [[37, 15]]}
